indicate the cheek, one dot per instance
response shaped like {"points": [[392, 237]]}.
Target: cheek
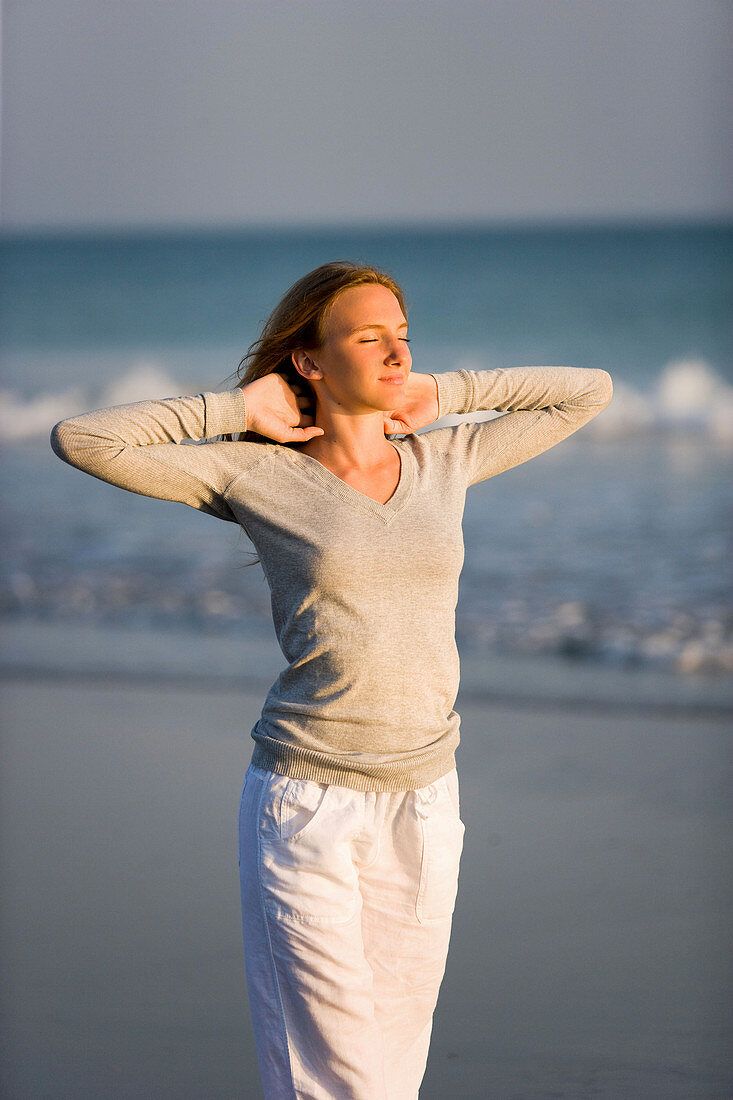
{"points": [[345, 373], [357, 361]]}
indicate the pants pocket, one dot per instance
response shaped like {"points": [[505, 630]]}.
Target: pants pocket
{"points": [[305, 866], [442, 830], [298, 807]]}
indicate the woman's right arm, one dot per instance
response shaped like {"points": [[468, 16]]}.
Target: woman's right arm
{"points": [[542, 406], [141, 447]]}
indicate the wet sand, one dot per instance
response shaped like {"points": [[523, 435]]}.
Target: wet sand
{"points": [[589, 955]]}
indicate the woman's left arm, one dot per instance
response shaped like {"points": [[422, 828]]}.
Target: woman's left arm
{"points": [[543, 405]]}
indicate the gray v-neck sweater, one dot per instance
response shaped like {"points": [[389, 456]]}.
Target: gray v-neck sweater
{"points": [[363, 593]]}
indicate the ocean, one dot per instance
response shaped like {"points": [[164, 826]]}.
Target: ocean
{"points": [[611, 549]]}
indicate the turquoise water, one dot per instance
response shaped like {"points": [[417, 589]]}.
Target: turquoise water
{"points": [[628, 301], [612, 547]]}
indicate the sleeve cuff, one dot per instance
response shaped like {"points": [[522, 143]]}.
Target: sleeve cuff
{"points": [[225, 412], [455, 392]]}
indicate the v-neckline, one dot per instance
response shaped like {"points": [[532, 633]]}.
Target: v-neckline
{"points": [[342, 489]]}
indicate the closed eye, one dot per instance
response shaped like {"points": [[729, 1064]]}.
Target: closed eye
{"points": [[373, 340]]}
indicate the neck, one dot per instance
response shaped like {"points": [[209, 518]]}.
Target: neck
{"points": [[351, 441]]}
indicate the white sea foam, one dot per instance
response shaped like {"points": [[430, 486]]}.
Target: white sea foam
{"points": [[144, 380], [23, 418], [689, 397]]}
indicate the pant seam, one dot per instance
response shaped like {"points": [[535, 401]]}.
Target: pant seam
{"points": [[271, 955]]}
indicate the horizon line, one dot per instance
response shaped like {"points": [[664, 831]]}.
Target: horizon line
{"points": [[390, 225]]}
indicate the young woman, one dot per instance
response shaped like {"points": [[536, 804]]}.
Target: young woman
{"points": [[350, 833]]}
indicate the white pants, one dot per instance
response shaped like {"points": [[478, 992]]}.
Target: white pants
{"points": [[347, 903]]}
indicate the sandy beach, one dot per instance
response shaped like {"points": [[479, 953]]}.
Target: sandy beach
{"points": [[589, 954]]}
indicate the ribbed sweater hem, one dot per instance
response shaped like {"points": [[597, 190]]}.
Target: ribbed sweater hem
{"points": [[359, 775], [455, 392], [225, 412]]}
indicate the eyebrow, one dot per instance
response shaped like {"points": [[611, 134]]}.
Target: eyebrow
{"points": [[360, 327]]}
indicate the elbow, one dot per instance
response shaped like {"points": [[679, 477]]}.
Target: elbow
{"points": [[57, 444], [603, 390], [61, 434]]}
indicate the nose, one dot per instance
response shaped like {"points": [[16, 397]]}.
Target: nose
{"points": [[398, 351]]}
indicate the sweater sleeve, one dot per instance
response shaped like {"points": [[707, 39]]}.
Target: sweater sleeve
{"points": [[542, 406], [140, 447]]}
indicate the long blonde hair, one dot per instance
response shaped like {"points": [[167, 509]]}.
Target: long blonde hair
{"points": [[299, 318]]}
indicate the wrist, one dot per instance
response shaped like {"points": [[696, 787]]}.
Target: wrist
{"points": [[251, 402], [436, 394], [455, 392]]}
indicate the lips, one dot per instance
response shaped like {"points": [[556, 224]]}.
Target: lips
{"points": [[394, 379]]}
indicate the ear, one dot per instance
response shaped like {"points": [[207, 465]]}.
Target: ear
{"points": [[305, 365]]}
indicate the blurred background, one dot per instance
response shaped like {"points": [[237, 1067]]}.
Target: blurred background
{"points": [[551, 183]]}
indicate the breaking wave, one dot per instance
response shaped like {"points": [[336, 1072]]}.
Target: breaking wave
{"points": [[688, 398]]}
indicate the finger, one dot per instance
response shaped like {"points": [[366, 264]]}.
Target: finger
{"points": [[300, 435]]}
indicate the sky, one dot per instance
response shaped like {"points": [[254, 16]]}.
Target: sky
{"points": [[124, 114]]}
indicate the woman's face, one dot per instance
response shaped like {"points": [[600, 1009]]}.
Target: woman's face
{"points": [[364, 360]]}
